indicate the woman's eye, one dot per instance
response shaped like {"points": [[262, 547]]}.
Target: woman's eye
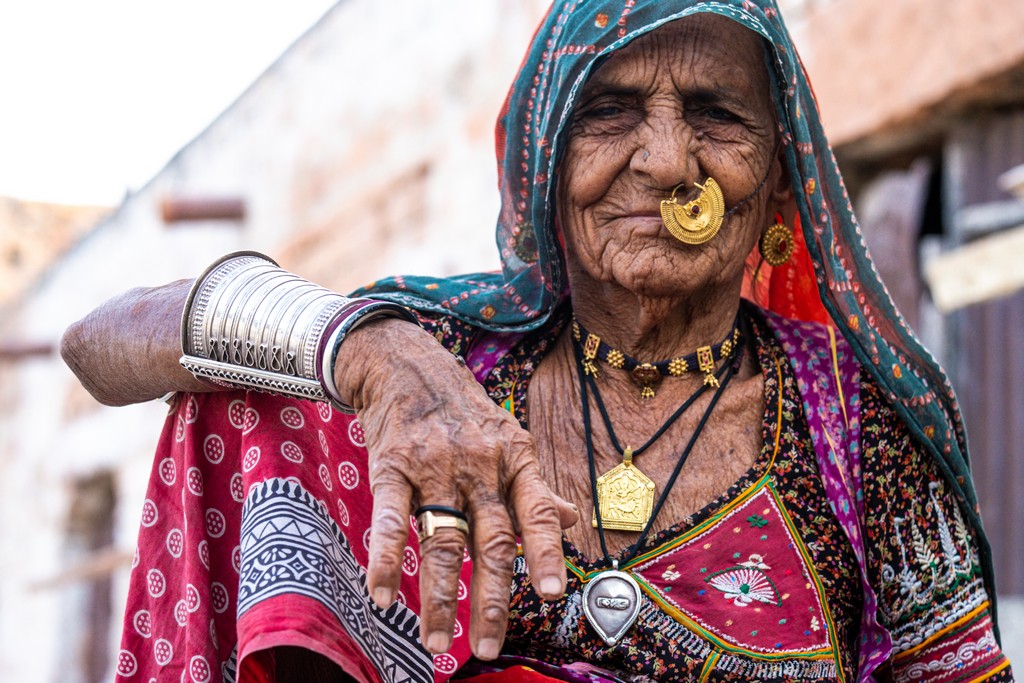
{"points": [[716, 114], [608, 117], [605, 111]]}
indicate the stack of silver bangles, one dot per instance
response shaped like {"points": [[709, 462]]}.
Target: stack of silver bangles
{"points": [[248, 324]]}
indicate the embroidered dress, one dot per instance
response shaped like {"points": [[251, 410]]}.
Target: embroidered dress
{"points": [[758, 585], [762, 583], [255, 535]]}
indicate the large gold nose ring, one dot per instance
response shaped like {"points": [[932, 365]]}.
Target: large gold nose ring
{"points": [[699, 219]]}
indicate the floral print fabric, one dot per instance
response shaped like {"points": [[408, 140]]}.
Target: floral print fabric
{"points": [[676, 640]]}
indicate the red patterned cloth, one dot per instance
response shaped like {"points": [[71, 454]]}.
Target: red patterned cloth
{"points": [[255, 534]]}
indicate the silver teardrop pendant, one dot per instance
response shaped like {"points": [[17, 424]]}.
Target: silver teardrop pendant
{"points": [[611, 601]]}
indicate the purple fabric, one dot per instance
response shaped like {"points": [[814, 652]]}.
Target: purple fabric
{"points": [[828, 377], [486, 352]]}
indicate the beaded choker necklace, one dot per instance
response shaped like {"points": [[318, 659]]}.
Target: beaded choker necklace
{"points": [[648, 375]]}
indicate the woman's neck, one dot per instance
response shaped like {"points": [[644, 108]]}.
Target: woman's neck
{"points": [[657, 328]]}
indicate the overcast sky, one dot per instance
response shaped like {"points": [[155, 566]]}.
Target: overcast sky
{"points": [[96, 96]]}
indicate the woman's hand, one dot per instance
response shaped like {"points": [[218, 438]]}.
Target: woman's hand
{"points": [[127, 350], [436, 438]]}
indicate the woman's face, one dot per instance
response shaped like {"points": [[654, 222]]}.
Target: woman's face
{"points": [[684, 102]]}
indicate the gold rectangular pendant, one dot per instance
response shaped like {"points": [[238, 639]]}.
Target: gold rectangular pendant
{"points": [[626, 498]]}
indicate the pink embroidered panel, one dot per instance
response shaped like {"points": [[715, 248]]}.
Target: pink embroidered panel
{"points": [[743, 579]]}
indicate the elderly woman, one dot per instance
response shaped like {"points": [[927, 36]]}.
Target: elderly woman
{"points": [[748, 491]]}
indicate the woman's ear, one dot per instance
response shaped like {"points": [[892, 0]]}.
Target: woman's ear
{"points": [[781, 199]]}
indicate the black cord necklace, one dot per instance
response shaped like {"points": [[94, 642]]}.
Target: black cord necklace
{"points": [[611, 600], [636, 514]]}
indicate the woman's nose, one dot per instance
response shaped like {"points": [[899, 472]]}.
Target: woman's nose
{"points": [[667, 151]]}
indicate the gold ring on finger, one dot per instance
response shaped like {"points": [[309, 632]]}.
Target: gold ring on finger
{"points": [[428, 522]]}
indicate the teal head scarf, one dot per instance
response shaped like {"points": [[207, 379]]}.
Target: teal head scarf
{"points": [[832, 280]]}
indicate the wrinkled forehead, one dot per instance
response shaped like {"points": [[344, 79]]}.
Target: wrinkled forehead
{"points": [[704, 48]]}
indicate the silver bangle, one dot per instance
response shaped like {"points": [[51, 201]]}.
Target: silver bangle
{"points": [[248, 324], [356, 315]]}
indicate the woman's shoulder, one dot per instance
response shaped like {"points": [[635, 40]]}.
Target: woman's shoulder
{"points": [[796, 332], [823, 363], [454, 334]]}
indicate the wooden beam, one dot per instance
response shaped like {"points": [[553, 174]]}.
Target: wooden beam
{"points": [[183, 209], [15, 350], [99, 565], [987, 268]]}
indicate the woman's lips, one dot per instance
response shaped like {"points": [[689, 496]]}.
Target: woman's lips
{"points": [[645, 223]]}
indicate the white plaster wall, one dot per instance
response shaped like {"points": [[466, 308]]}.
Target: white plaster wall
{"points": [[374, 90]]}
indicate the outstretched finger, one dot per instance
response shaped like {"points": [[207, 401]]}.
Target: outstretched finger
{"points": [[389, 534], [494, 551], [540, 517], [441, 556]]}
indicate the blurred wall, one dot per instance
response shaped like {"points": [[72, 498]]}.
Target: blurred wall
{"points": [[890, 69]]}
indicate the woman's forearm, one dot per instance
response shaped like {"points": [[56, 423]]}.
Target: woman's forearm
{"points": [[127, 350]]}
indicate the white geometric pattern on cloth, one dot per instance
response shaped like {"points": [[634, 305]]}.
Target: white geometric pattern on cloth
{"points": [[343, 514], [168, 471], [325, 477], [348, 475], [219, 597], [216, 524], [199, 669], [213, 448], [191, 410], [290, 545], [241, 417], [251, 459], [192, 599], [952, 661], [194, 480], [356, 434], [292, 452], [292, 417], [203, 550], [175, 542], [143, 623], [163, 651], [445, 663], [150, 514], [126, 664], [744, 585], [156, 583], [237, 487]]}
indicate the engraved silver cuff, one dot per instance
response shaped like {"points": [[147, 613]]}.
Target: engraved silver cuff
{"points": [[248, 324]]}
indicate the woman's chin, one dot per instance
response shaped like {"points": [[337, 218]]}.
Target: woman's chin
{"points": [[665, 271], [661, 282]]}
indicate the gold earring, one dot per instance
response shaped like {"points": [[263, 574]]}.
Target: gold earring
{"points": [[777, 244], [699, 219]]}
